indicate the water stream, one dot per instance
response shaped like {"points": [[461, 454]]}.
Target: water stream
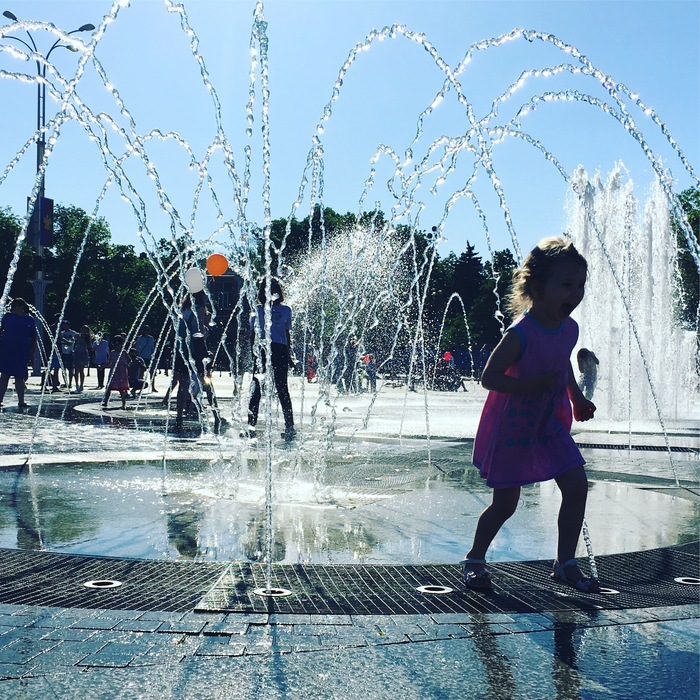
{"points": [[358, 288]]}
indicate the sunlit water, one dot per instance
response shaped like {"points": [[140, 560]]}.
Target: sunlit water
{"points": [[248, 505], [383, 506]]}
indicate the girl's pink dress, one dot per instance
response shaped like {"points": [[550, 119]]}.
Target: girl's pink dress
{"points": [[119, 373], [525, 438]]}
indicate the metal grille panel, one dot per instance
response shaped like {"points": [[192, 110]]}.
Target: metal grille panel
{"points": [[643, 579]]}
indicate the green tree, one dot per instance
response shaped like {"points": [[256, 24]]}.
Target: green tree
{"points": [[111, 282], [688, 273], [10, 228]]}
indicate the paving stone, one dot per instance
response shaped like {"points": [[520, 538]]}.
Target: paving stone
{"points": [[159, 655], [66, 653], [22, 650], [207, 618], [181, 627], [114, 654], [528, 623], [139, 625], [284, 619], [54, 621], [22, 633], [445, 631], [453, 618], [17, 620], [211, 647], [227, 627], [317, 644], [342, 620], [68, 634], [8, 609], [9, 670], [251, 618], [95, 623], [259, 642], [315, 630]]}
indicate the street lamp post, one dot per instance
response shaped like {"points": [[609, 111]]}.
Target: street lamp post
{"points": [[39, 282]]}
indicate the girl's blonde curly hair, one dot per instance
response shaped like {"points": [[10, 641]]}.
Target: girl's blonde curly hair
{"points": [[536, 268]]}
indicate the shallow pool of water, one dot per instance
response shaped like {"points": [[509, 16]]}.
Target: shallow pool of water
{"points": [[390, 507]]}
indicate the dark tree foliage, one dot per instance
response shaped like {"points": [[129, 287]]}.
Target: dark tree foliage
{"points": [[457, 296], [688, 273], [10, 227], [108, 283], [475, 291]]}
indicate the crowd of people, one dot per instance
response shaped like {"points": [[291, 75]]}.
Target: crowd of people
{"points": [[77, 352]]}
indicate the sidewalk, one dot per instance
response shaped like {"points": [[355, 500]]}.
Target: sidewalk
{"points": [[569, 647]]}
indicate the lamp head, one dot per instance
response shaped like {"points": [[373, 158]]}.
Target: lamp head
{"points": [[9, 15], [86, 28]]}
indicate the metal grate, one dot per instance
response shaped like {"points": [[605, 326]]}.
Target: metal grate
{"points": [[638, 448], [50, 579], [643, 579]]}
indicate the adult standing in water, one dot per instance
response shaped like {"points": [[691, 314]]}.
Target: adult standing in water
{"points": [[280, 348], [17, 344]]}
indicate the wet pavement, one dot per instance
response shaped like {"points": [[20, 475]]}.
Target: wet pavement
{"points": [[572, 646]]}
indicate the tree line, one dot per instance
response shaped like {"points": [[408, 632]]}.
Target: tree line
{"points": [[457, 294]]}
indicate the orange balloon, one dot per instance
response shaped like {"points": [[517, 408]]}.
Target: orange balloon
{"points": [[216, 264]]}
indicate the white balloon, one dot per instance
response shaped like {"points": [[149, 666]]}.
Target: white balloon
{"points": [[194, 280]]}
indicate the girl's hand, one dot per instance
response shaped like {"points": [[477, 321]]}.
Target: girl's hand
{"points": [[583, 409]]}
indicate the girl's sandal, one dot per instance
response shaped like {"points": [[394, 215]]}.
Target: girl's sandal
{"points": [[585, 584], [475, 579]]}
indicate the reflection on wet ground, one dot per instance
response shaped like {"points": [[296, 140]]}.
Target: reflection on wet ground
{"points": [[364, 503]]}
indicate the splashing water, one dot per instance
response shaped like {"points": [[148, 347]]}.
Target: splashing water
{"points": [[368, 282]]}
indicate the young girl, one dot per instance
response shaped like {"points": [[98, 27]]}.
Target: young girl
{"points": [[523, 436], [118, 373]]}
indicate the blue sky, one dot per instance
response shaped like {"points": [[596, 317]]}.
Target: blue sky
{"points": [[651, 47]]}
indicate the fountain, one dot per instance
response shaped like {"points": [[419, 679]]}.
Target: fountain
{"points": [[370, 283], [643, 339]]}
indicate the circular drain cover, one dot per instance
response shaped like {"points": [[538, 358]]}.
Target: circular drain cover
{"points": [[105, 583], [688, 580], [435, 590], [272, 592]]}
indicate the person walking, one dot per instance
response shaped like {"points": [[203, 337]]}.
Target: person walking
{"points": [[66, 344], [100, 348], [118, 373], [18, 337], [145, 346], [524, 431], [280, 316], [588, 367], [81, 356]]}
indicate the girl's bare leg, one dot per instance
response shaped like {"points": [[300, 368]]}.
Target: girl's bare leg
{"points": [[503, 505], [573, 485]]}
